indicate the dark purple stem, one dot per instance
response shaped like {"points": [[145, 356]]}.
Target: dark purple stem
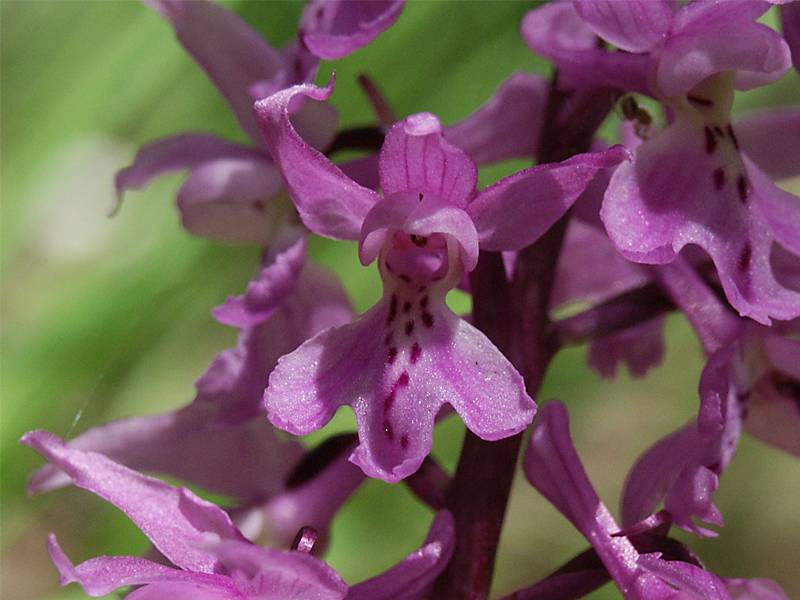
{"points": [[429, 483], [515, 316]]}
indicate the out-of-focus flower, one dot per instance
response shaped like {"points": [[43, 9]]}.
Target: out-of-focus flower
{"points": [[213, 559], [553, 467], [406, 357], [232, 191], [752, 383], [221, 441]]}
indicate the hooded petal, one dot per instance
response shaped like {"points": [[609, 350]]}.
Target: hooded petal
{"points": [[101, 576], [184, 151], [555, 31], [508, 125], [396, 366], [517, 210], [771, 139], [717, 37], [232, 200], [332, 30], [417, 158], [179, 523], [267, 292], [682, 188], [233, 55], [631, 25], [425, 216], [329, 202], [412, 578]]}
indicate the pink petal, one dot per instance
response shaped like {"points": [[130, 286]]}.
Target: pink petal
{"points": [[232, 200], [771, 139], [267, 573], [555, 31], [676, 193], [640, 348], [755, 589], [552, 466], [245, 460], [329, 202], [332, 30], [721, 40], [409, 213], [416, 158], [412, 578], [233, 55], [631, 25], [396, 366], [516, 210], [102, 575], [779, 208], [508, 125], [267, 292], [184, 151], [179, 523]]}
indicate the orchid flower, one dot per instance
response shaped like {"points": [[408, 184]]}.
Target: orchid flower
{"points": [[690, 183], [400, 362], [232, 191], [553, 467], [212, 559]]}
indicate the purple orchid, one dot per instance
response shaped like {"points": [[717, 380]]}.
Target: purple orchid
{"points": [[691, 59], [211, 557], [220, 441], [553, 467], [751, 384], [232, 191], [400, 362]]}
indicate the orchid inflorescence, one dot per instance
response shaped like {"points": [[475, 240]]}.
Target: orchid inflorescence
{"points": [[681, 216]]}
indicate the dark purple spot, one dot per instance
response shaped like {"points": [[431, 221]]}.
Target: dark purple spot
{"points": [[734, 139], [418, 240], [719, 178], [699, 100], [389, 267], [716, 467], [787, 386], [259, 205], [404, 441], [402, 381], [427, 319], [742, 187], [745, 257], [392, 309], [424, 302], [392, 355], [415, 352], [421, 196], [387, 429], [718, 131], [711, 141], [406, 306], [388, 402], [409, 327], [405, 278], [422, 288]]}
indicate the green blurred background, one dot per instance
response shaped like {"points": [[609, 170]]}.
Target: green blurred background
{"points": [[104, 318]]}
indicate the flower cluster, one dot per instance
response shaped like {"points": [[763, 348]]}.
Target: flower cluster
{"points": [[682, 215]]}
